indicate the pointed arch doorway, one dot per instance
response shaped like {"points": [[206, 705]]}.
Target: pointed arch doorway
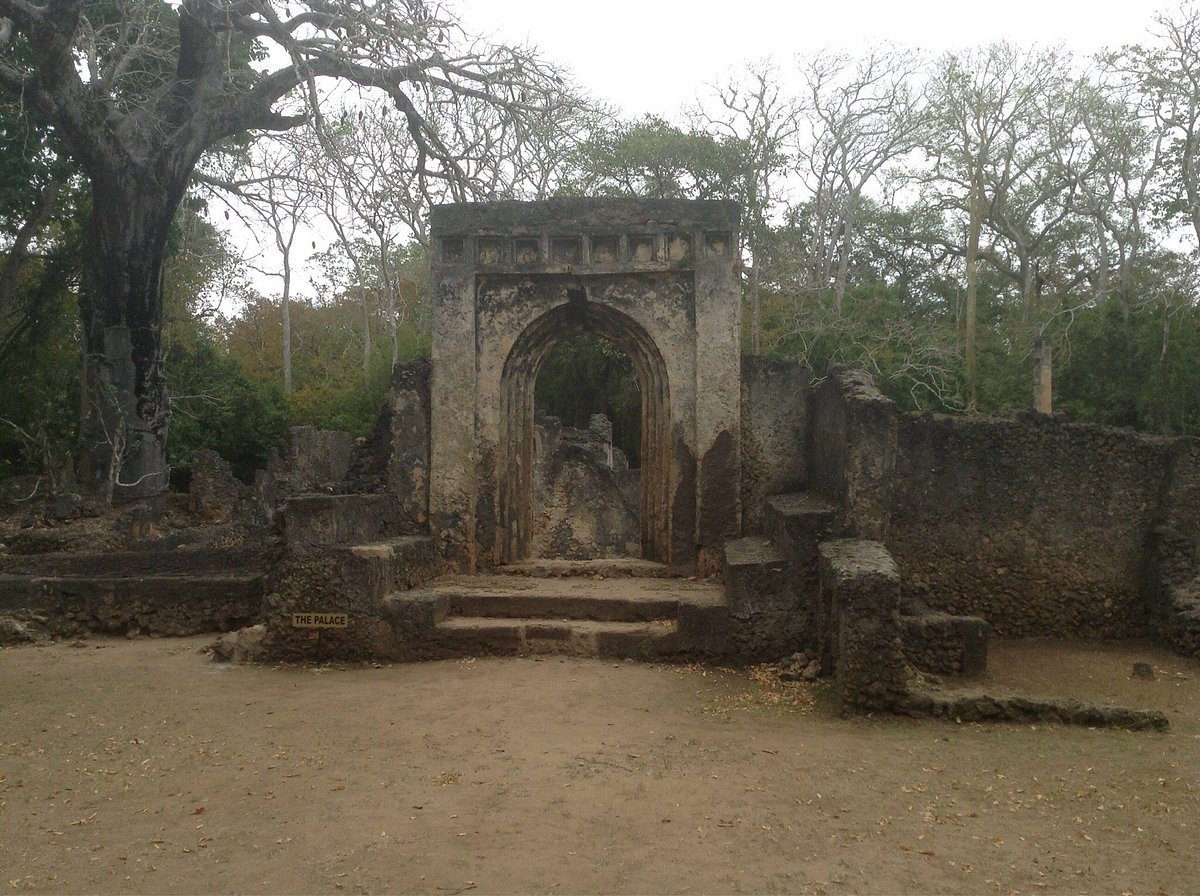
{"points": [[579, 316]]}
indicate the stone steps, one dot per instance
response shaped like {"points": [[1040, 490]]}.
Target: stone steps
{"points": [[611, 600], [624, 616], [571, 637], [761, 597], [798, 522], [607, 568], [754, 563]]}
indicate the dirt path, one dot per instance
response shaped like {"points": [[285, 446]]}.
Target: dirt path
{"points": [[144, 767]]}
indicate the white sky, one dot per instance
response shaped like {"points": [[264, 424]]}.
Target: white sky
{"points": [[653, 56]]}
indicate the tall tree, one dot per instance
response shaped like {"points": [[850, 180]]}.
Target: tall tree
{"points": [[1164, 76], [274, 183], [754, 118], [864, 114], [139, 90], [983, 105]]}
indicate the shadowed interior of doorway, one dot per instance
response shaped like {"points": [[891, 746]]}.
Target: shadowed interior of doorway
{"points": [[587, 453], [576, 319]]}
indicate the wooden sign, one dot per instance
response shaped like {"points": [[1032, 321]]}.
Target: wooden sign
{"points": [[320, 620]]}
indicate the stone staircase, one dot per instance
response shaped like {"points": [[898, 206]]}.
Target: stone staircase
{"points": [[609, 608], [346, 555], [771, 579], [628, 608]]}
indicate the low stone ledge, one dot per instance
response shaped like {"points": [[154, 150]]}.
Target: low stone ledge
{"points": [[149, 605], [988, 708], [945, 644]]}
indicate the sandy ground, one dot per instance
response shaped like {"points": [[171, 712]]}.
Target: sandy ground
{"points": [[143, 767]]}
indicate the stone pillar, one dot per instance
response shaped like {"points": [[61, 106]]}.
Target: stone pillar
{"points": [[860, 592], [718, 396], [452, 425]]}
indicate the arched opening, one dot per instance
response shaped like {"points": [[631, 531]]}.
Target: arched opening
{"points": [[576, 318], [587, 453]]}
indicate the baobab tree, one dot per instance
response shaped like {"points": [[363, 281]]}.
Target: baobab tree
{"points": [[139, 90]]}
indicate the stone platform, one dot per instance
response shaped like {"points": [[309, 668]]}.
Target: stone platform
{"points": [[585, 614]]}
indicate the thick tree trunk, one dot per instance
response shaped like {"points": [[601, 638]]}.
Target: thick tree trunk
{"points": [[843, 271], [125, 408], [755, 306], [366, 330]]}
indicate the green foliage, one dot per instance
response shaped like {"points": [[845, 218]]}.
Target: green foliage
{"points": [[653, 158], [216, 406], [39, 380], [589, 376], [330, 388], [1141, 372], [911, 353]]}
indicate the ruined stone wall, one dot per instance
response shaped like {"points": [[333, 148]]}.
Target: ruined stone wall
{"points": [[852, 436], [585, 495], [774, 432], [394, 457], [314, 458], [1038, 526]]}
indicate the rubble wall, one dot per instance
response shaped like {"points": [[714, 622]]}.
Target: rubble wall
{"points": [[1039, 526], [585, 496]]}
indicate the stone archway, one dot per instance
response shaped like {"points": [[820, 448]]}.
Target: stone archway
{"points": [[576, 317], [658, 279]]}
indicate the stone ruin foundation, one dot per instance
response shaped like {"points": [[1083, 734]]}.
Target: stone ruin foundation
{"points": [[585, 496], [773, 514]]}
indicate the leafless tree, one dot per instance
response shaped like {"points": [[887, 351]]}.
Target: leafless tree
{"points": [[865, 113], [1164, 77], [751, 112], [273, 186], [982, 104]]}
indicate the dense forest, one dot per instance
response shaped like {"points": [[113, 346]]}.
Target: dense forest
{"points": [[925, 218]]}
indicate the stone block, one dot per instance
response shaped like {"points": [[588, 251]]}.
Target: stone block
{"points": [[860, 587], [946, 644], [214, 493], [311, 522]]}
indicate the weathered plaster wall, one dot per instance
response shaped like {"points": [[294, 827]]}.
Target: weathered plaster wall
{"points": [[661, 303], [659, 279], [774, 432]]}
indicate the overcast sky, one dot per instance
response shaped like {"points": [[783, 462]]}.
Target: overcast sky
{"points": [[653, 55]]}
